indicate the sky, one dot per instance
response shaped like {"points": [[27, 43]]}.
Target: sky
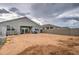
{"points": [[60, 14]]}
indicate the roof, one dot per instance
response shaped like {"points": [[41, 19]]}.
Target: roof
{"points": [[7, 18], [17, 18], [46, 25]]}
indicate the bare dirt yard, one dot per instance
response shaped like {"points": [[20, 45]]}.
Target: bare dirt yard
{"points": [[40, 44]]}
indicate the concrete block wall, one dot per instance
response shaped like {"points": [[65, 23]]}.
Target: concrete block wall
{"points": [[63, 31]]}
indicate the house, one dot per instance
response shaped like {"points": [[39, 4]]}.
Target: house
{"points": [[48, 28], [19, 25]]}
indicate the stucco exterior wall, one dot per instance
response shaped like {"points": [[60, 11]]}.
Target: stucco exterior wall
{"points": [[19, 22]]}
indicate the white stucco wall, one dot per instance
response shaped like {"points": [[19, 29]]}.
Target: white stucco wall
{"points": [[17, 23]]}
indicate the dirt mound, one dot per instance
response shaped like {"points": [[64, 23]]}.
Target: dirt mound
{"points": [[46, 50], [71, 42], [40, 44]]}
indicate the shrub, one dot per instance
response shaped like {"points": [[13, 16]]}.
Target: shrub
{"points": [[2, 41]]}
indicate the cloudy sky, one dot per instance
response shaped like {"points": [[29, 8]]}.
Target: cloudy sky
{"points": [[60, 14]]}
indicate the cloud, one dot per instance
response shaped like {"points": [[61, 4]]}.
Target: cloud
{"points": [[47, 12], [23, 7], [71, 13]]}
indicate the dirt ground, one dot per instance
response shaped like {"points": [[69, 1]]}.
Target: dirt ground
{"points": [[40, 44]]}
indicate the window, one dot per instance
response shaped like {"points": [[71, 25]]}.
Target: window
{"points": [[25, 29], [9, 28], [51, 27], [13, 29], [47, 27]]}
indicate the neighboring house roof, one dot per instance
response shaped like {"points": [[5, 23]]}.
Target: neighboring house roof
{"points": [[46, 25], [17, 18]]}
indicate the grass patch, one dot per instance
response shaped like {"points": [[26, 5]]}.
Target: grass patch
{"points": [[2, 42]]}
